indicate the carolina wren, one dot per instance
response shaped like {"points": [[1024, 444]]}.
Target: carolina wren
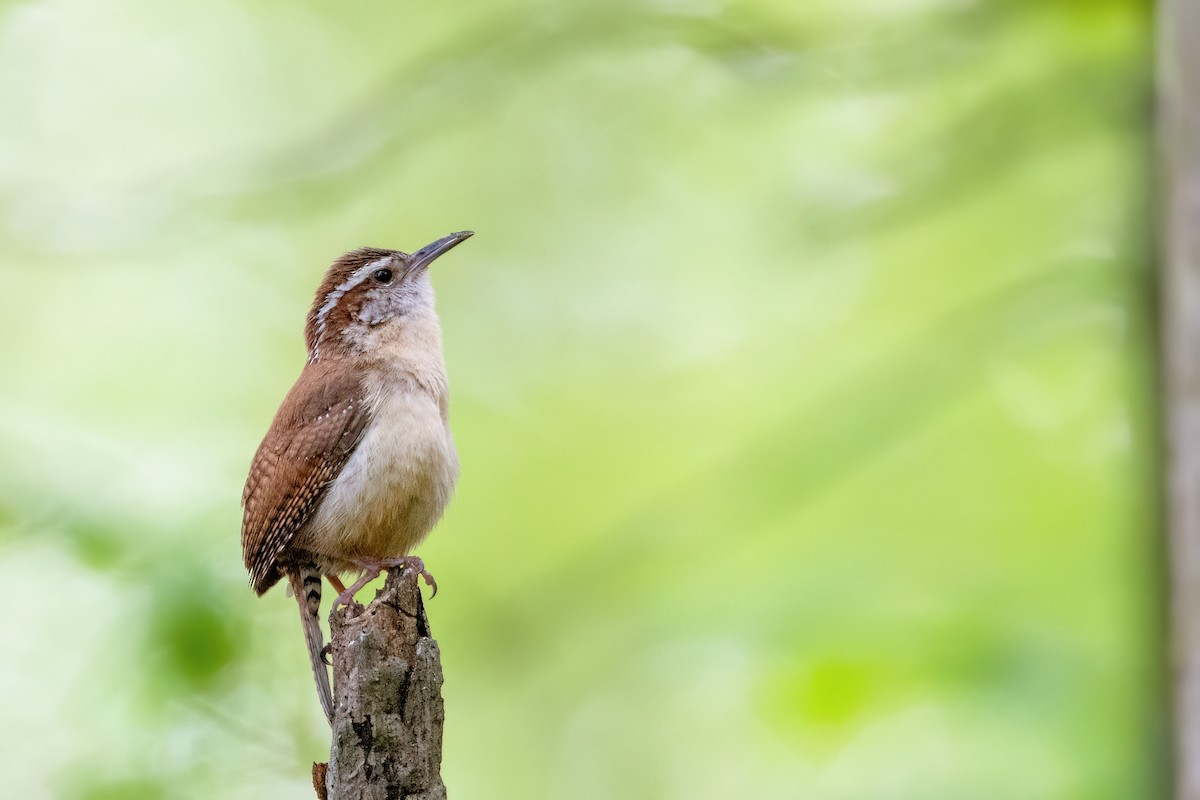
{"points": [[359, 463]]}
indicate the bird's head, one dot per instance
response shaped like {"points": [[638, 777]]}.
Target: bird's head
{"points": [[368, 289]]}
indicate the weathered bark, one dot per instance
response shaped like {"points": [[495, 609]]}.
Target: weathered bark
{"points": [[387, 723]]}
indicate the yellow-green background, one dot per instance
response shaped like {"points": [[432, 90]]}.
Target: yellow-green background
{"points": [[801, 373]]}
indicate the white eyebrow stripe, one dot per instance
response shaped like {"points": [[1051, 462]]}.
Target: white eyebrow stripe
{"points": [[336, 293]]}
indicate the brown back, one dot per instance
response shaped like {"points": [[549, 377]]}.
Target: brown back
{"points": [[315, 431]]}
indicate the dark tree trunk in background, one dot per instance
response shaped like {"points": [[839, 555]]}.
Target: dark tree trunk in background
{"points": [[1179, 103], [387, 725]]}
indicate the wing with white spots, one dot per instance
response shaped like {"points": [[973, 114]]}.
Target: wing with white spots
{"points": [[314, 433]]}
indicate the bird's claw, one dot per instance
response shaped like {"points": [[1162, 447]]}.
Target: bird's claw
{"points": [[345, 599], [371, 569], [416, 566], [429, 581], [327, 654]]}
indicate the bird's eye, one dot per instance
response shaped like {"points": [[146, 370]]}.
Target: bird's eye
{"points": [[383, 276]]}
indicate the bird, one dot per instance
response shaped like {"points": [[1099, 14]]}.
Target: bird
{"points": [[359, 463]]}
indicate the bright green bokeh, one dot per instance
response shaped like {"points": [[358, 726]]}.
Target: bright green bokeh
{"points": [[800, 373]]}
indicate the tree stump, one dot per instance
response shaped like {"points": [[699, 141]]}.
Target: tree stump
{"points": [[388, 710]]}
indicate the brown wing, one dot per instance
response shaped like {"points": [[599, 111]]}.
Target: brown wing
{"points": [[316, 429]]}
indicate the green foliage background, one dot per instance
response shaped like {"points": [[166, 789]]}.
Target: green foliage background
{"points": [[800, 368]]}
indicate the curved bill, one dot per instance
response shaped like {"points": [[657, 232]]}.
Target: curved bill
{"points": [[427, 254]]}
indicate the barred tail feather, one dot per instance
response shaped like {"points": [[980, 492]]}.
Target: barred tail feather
{"points": [[306, 586]]}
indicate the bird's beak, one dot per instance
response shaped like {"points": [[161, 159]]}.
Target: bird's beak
{"points": [[427, 254]]}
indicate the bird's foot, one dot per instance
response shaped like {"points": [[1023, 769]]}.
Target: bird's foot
{"points": [[372, 568], [370, 572], [414, 565]]}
